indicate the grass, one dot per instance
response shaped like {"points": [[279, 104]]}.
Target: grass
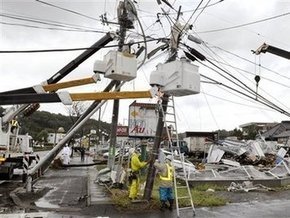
{"points": [[200, 196]]}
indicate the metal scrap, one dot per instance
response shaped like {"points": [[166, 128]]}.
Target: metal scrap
{"points": [[246, 187]]}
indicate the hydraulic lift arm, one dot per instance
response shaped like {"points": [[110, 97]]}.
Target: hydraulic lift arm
{"points": [[70, 66], [57, 76], [274, 50]]}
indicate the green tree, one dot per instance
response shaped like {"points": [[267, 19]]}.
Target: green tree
{"points": [[42, 136]]}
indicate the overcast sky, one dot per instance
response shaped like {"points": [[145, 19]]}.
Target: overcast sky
{"points": [[230, 29]]}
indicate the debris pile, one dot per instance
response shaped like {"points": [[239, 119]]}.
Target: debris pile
{"points": [[243, 160]]}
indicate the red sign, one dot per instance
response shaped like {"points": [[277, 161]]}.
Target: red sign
{"points": [[122, 131]]}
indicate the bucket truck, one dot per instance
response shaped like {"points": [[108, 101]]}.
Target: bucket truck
{"points": [[13, 145]]}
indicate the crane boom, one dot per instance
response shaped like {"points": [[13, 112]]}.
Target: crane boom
{"points": [[273, 50]]}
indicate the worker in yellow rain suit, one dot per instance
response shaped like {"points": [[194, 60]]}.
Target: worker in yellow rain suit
{"points": [[136, 165]]}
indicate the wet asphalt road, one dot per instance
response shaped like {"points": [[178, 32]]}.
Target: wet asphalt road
{"points": [[68, 192]]}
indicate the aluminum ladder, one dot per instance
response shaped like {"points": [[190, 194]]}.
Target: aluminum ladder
{"points": [[182, 192]]}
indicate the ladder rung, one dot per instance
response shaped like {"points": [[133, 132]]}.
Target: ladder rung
{"points": [[181, 186], [185, 208], [183, 197]]}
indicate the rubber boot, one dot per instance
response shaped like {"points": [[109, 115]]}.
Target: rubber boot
{"points": [[163, 205], [171, 201]]}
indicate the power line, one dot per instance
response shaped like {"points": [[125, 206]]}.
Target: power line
{"points": [[211, 112], [248, 72], [71, 11], [245, 59], [235, 102], [192, 15], [245, 24], [52, 28], [43, 21], [73, 49], [201, 8], [68, 10], [244, 84], [248, 88], [243, 88], [267, 103], [201, 11]]}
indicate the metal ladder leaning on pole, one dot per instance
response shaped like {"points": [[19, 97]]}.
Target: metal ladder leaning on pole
{"points": [[171, 129]]}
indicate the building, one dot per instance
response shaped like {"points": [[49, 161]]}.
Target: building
{"points": [[121, 134], [54, 138], [255, 127], [199, 141], [279, 132]]}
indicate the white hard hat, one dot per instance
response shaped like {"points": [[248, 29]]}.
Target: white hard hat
{"points": [[168, 157], [131, 150]]}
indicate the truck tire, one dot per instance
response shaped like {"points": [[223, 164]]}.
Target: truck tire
{"points": [[8, 175]]}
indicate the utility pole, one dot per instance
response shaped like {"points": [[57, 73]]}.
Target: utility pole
{"points": [[155, 151], [176, 32], [125, 23]]}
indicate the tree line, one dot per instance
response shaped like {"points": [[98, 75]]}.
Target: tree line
{"points": [[40, 123]]}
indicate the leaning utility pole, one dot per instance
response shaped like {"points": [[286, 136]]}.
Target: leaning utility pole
{"points": [[155, 151], [176, 32]]}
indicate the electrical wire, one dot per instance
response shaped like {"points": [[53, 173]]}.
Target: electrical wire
{"points": [[144, 37], [273, 106], [243, 85], [45, 21], [245, 24], [247, 60], [211, 112], [73, 49], [247, 87], [235, 102], [71, 11], [192, 15], [52, 28], [201, 8], [261, 89], [253, 74], [201, 11]]}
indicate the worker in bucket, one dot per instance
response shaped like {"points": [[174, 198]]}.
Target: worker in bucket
{"points": [[165, 171], [135, 166]]}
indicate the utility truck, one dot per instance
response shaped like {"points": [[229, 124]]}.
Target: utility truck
{"points": [[14, 148]]}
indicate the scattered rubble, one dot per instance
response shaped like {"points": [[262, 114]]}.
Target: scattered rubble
{"points": [[231, 160], [247, 186]]}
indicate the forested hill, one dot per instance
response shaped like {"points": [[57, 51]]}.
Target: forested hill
{"points": [[40, 123]]}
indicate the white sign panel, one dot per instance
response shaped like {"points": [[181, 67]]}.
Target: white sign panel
{"points": [[142, 120]]}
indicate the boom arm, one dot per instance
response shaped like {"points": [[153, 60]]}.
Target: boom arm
{"points": [[59, 75], [67, 98], [274, 50], [70, 66]]}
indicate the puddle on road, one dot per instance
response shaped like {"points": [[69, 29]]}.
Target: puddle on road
{"points": [[42, 203]]}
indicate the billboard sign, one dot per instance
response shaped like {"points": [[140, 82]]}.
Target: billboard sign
{"points": [[142, 120]]}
